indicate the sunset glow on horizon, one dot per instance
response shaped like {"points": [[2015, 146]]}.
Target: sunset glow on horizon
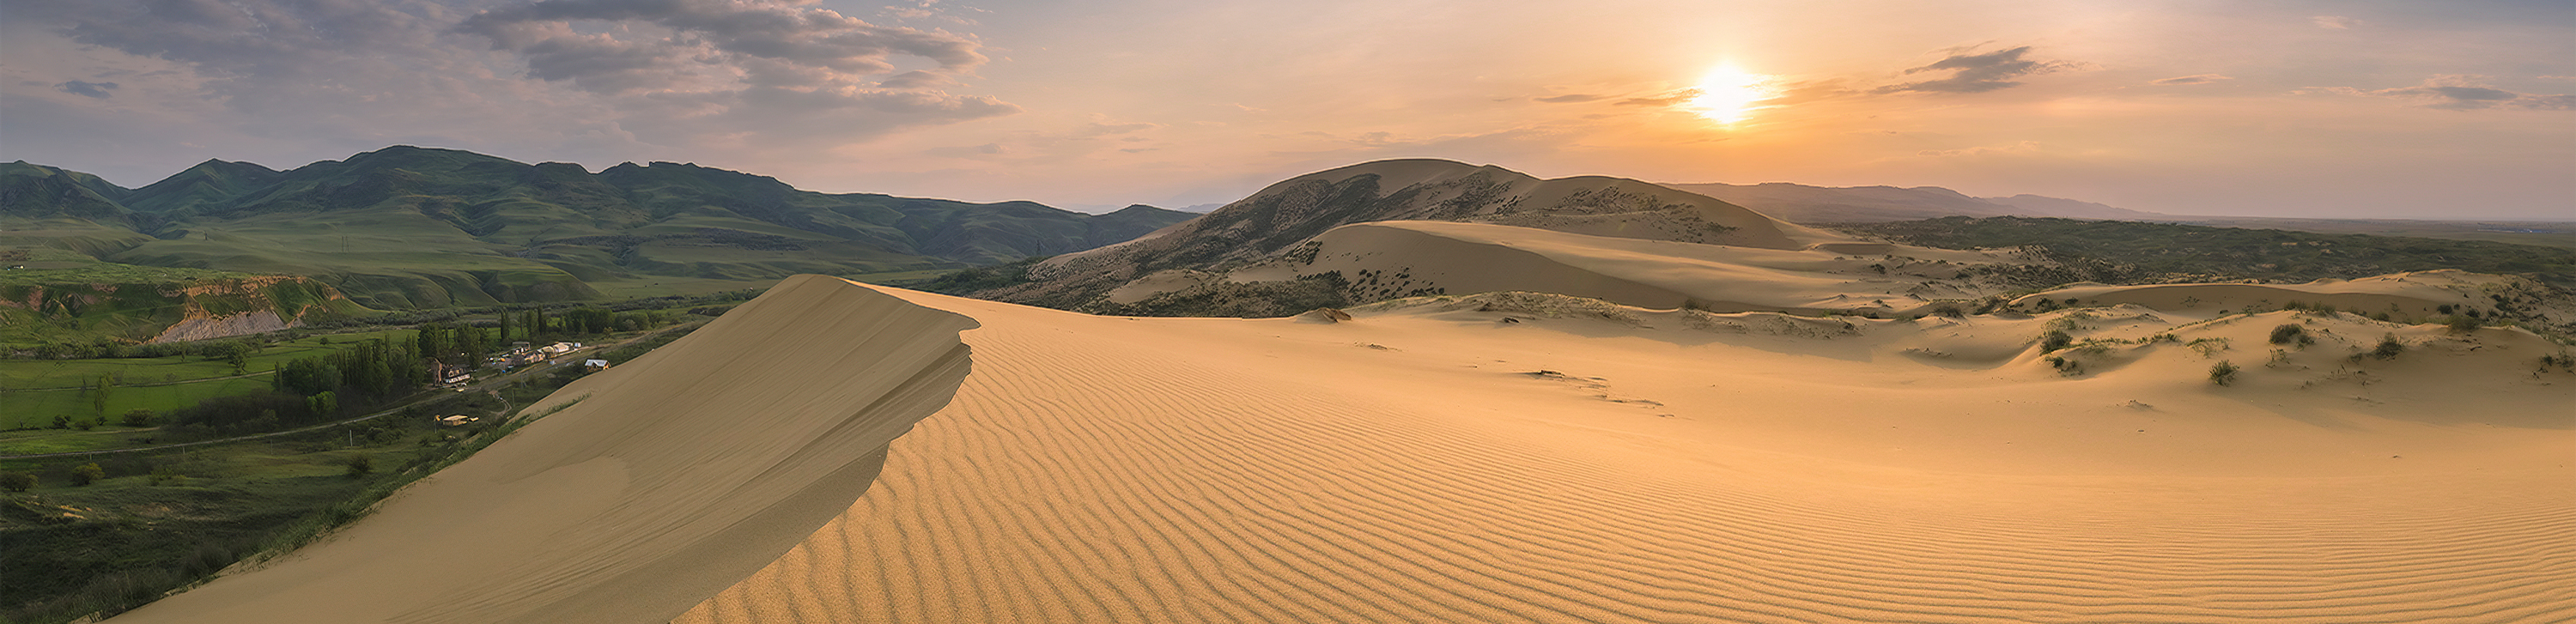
{"points": [[1727, 94], [2308, 108]]}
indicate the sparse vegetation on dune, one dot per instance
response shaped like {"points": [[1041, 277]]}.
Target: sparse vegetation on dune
{"points": [[2223, 373], [2121, 252]]}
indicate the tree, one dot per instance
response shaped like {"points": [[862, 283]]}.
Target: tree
{"points": [[138, 417], [98, 393], [17, 481], [324, 405], [88, 473], [237, 355]]}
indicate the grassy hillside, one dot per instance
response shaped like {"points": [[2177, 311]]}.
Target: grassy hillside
{"points": [[413, 228], [58, 296]]}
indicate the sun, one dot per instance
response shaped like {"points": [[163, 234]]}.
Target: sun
{"points": [[1726, 94]]}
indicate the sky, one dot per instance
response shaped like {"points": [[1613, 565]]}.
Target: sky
{"points": [[2347, 109]]}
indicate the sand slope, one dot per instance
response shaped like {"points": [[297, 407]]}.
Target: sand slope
{"points": [[1532, 458], [1277, 221], [1465, 258], [683, 471]]}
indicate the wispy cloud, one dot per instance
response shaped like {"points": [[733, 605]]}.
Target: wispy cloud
{"points": [[1572, 97], [2195, 79], [1675, 98], [2334, 22], [2464, 92], [1977, 73], [98, 90], [1984, 150]]}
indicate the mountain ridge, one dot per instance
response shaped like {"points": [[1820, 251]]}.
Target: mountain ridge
{"points": [[419, 227]]}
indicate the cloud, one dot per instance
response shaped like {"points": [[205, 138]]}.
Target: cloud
{"points": [[590, 74], [967, 151], [2464, 92], [2190, 80], [1977, 73], [2334, 22], [1572, 97], [783, 58], [1100, 126], [2015, 148], [92, 89], [932, 10], [1675, 98]]}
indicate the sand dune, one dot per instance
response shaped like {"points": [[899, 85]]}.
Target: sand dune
{"points": [[2418, 294], [1276, 224], [1463, 258], [680, 473], [1536, 458]]}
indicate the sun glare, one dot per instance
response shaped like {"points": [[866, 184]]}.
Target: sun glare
{"points": [[1727, 93]]}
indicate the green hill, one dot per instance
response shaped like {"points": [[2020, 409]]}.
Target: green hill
{"points": [[212, 181], [40, 192], [410, 227]]}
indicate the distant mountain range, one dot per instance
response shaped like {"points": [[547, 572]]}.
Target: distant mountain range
{"points": [[1799, 203], [412, 227]]}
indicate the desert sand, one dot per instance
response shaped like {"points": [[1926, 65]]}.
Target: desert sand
{"points": [[672, 477], [1500, 457], [1540, 458], [1463, 258]]}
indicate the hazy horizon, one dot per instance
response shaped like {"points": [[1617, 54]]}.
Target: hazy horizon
{"points": [[2301, 109]]}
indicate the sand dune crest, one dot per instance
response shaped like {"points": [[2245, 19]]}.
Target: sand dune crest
{"points": [[680, 473]]}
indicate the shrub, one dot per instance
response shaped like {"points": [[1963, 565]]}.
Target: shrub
{"points": [[360, 465], [2462, 323], [138, 417], [2289, 333], [2054, 340], [17, 481], [88, 473], [2389, 347], [2223, 373], [2068, 367], [1948, 310], [2208, 347]]}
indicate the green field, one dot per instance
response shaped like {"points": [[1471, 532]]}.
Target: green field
{"points": [[160, 519], [32, 392]]}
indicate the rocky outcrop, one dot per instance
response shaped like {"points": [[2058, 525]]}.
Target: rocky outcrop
{"points": [[243, 324]]}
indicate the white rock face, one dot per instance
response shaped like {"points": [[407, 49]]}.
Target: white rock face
{"points": [[220, 327]]}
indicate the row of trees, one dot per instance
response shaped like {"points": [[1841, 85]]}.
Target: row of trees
{"points": [[102, 348], [365, 375]]}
